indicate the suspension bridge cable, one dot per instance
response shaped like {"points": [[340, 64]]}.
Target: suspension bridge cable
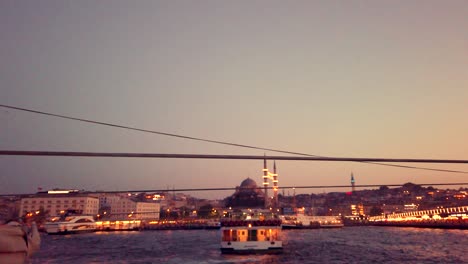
{"points": [[211, 141], [214, 156]]}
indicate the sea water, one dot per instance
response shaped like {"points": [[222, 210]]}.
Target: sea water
{"points": [[340, 245]]}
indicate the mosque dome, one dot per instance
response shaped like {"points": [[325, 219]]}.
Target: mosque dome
{"points": [[247, 195], [248, 183]]}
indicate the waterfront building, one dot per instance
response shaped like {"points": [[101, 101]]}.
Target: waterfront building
{"points": [[357, 209], [107, 199], [125, 208], [58, 201], [410, 207], [392, 208]]}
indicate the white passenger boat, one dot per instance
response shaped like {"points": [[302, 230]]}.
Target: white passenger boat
{"points": [[330, 222], [71, 224], [122, 225], [301, 221], [252, 235]]}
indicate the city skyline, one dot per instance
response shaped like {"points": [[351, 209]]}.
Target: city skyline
{"points": [[354, 79]]}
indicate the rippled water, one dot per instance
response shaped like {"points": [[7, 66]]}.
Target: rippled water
{"points": [[343, 245]]}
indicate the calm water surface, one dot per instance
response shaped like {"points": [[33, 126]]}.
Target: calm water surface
{"points": [[343, 245]]}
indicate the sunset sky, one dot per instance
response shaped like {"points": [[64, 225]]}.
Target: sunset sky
{"points": [[333, 78]]}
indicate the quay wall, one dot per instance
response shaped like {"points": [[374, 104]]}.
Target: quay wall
{"points": [[445, 223]]}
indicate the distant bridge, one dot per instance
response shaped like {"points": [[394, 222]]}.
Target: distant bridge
{"points": [[461, 211]]}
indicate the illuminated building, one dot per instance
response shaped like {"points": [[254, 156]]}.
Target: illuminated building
{"points": [[127, 208], [410, 207], [119, 206], [357, 209], [58, 201]]}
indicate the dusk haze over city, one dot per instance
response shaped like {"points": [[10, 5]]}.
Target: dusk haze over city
{"points": [[328, 78]]}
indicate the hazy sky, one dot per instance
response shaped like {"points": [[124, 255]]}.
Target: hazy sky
{"points": [[334, 78]]}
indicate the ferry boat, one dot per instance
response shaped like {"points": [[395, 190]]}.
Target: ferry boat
{"points": [[123, 225], [301, 221], [251, 235], [330, 222], [70, 225]]}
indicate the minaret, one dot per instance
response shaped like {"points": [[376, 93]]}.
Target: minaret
{"points": [[353, 188], [275, 185], [265, 181], [294, 199]]}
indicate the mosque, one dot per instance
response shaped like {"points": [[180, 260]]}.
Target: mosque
{"points": [[247, 195]]}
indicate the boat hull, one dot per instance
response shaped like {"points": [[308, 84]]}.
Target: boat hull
{"points": [[63, 229], [72, 232], [271, 250], [252, 247], [332, 226]]}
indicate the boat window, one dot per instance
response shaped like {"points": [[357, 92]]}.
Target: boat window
{"points": [[252, 235], [84, 220], [226, 235], [234, 236], [274, 234], [262, 235], [242, 236]]}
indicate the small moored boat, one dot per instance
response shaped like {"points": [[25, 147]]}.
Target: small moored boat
{"points": [[71, 225]]}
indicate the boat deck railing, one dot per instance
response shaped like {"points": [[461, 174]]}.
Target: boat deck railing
{"points": [[250, 223]]}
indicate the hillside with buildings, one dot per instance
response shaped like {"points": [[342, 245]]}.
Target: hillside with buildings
{"points": [[169, 205]]}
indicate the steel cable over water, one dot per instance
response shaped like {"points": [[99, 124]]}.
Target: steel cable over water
{"points": [[212, 141]]}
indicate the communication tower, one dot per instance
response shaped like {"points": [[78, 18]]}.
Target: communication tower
{"points": [[353, 188]]}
